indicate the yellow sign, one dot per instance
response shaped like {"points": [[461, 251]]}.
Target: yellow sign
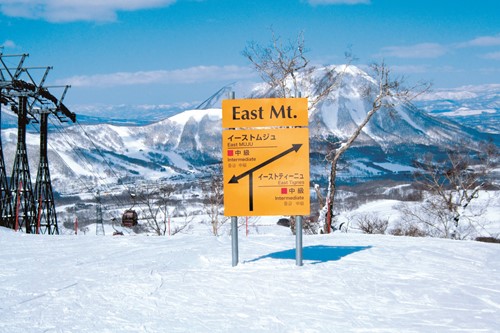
{"points": [[264, 112], [266, 172]]}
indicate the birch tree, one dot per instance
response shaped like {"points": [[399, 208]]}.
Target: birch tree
{"points": [[213, 201], [286, 71], [387, 92]]}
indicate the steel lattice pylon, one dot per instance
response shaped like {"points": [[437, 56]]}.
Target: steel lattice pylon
{"points": [[46, 220], [21, 189], [30, 100], [5, 200], [5, 204], [99, 226]]}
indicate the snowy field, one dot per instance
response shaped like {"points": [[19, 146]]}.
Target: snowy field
{"points": [[185, 283]]}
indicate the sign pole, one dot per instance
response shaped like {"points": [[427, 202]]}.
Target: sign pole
{"points": [[298, 240], [234, 239], [234, 226]]}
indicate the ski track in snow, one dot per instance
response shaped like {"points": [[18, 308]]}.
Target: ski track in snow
{"points": [[185, 283]]}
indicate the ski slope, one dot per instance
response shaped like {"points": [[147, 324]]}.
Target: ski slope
{"points": [[185, 283]]}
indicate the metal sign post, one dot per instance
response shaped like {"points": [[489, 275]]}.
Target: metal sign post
{"points": [[234, 239], [298, 240]]}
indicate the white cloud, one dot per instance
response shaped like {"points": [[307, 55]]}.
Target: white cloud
{"points": [[423, 50], [410, 69], [190, 75], [492, 56], [75, 10], [490, 70], [421, 69], [338, 2], [435, 50], [481, 41], [9, 44]]}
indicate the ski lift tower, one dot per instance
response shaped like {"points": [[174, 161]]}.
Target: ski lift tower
{"points": [[44, 196], [99, 226], [7, 78], [23, 209]]}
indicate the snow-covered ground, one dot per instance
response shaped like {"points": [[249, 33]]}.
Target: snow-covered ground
{"points": [[185, 283]]}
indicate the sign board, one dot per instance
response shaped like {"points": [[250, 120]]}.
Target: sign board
{"points": [[264, 112], [266, 170]]}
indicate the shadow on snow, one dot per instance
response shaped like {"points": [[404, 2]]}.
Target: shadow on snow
{"points": [[317, 253]]}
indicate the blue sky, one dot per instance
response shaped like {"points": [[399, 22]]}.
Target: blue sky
{"points": [[171, 51]]}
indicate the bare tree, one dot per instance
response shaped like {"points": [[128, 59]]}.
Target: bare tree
{"points": [[451, 185], [287, 72], [386, 93], [183, 226], [372, 224], [213, 201], [310, 225], [156, 199]]}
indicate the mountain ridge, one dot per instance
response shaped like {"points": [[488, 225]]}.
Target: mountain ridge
{"points": [[188, 143]]}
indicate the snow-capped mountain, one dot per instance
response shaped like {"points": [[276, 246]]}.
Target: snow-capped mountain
{"points": [[185, 144], [341, 113], [474, 106]]}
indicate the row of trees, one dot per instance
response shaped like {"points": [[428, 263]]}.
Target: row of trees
{"points": [[451, 186], [446, 187], [162, 208], [159, 205], [448, 197]]}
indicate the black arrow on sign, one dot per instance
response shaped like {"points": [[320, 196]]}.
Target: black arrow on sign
{"points": [[235, 179], [295, 148]]}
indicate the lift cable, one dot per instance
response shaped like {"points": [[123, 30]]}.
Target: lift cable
{"points": [[89, 165]]}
